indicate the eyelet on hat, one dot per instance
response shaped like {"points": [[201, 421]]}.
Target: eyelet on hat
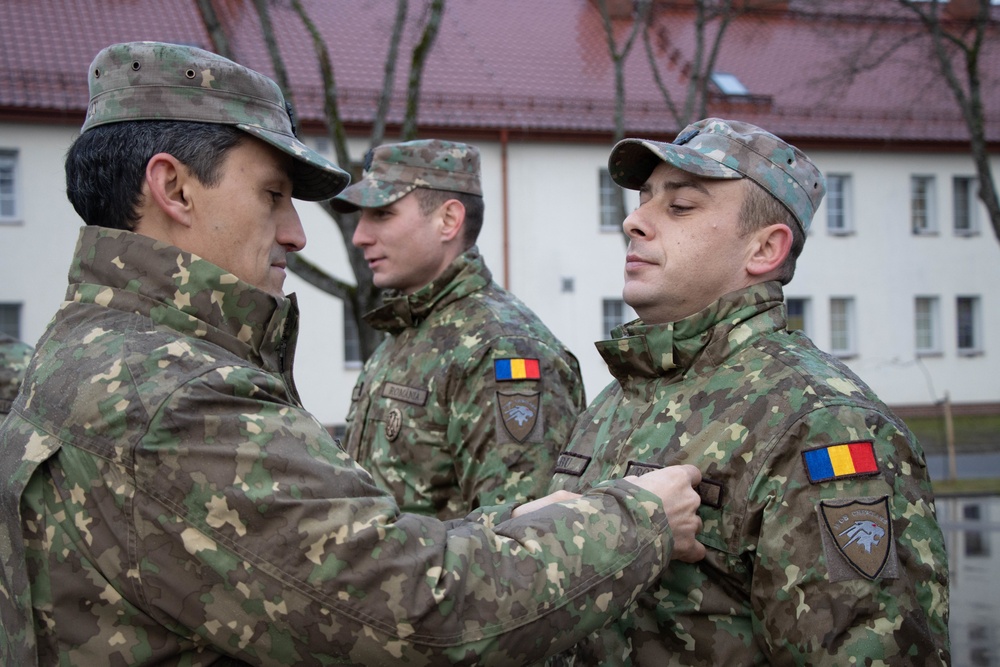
{"points": [[136, 65], [97, 73], [189, 73]]}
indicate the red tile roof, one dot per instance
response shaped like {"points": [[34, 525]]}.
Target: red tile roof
{"points": [[534, 66]]}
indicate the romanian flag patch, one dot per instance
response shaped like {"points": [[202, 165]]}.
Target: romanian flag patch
{"points": [[851, 459], [516, 369]]}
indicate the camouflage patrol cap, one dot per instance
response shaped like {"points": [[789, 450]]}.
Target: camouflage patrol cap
{"points": [[394, 170], [727, 149], [156, 81]]}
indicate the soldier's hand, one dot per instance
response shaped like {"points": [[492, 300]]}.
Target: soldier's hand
{"points": [[675, 487], [538, 504]]}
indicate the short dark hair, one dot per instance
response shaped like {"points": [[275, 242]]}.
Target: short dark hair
{"points": [[760, 208], [106, 166], [431, 199]]}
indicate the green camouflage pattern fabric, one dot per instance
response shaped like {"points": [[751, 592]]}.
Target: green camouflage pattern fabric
{"points": [[430, 420], [166, 500], [731, 391], [14, 358], [157, 81], [727, 149], [394, 170]]}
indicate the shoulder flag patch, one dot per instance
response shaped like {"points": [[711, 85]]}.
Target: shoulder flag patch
{"points": [[851, 459], [516, 369]]}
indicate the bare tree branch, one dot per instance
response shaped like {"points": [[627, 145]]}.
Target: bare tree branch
{"points": [[419, 58], [389, 74], [220, 43]]}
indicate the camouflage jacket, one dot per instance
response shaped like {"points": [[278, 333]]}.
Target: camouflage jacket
{"points": [[166, 500], [823, 547], [14, 358], [440, 416]]}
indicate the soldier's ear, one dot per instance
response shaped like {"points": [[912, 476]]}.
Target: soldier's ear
{"points": [[768, 247], [452, 217], [167, 185]]}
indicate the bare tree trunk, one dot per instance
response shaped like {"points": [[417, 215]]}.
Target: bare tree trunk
{"points": [[967, 92], [618, 55]]}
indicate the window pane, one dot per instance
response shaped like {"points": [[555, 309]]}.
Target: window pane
{"points": [[841, 324], [613, 315], [837, 203], [925, 323], [608, 209], [352, 344], [922, 204], [797, 314], [10, 319], [8, 193], [964, 196], [967, 315]]}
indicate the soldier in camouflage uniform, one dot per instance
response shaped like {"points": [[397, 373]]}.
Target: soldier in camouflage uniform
{"points": [[823, 547], [14, 358], [166, 499], [470, 397]]}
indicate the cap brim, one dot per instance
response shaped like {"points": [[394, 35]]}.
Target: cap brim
{"points": [[370, 193], [314, 178], [633, 160]]}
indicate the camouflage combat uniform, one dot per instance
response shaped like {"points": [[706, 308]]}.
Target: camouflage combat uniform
{"points": [[14, 358], [805, 566], [165, 499], [432, 417]]}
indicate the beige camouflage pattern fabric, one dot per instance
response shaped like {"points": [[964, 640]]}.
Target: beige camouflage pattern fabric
{"points": [[166, 500], [430, 419], [14, 358], [392, 171], [157, 81], [727, 149], [731, 391]]}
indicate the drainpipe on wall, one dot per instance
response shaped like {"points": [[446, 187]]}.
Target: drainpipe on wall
{"points": [[503, 201]]}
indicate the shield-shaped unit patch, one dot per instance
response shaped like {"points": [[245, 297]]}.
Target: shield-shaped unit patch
{"points": [[861, 531], [519, 413]]}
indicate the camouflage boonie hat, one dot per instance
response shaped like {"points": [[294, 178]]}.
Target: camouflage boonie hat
{"points": [[394, 170], [727, 149], [156, 81]]}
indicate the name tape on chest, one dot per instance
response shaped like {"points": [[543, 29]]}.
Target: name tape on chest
{"points": [[505, 370], [399, 392], [842, 461]]}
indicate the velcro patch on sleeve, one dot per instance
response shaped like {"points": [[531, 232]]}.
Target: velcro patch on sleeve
{"points": [[505, 370], [569, 463], [832, 462]]}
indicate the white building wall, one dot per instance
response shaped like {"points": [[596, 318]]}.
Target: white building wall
{"points": [[554, 235]]}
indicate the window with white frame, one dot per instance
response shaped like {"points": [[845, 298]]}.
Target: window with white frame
{"points": [[838, 204], [352, 342], [842, 326], [613, 315], [963, 189], [610, 215], [926, 325], [798, 314], [967, 320], [10, 319], [922, 205], [8, 186]]}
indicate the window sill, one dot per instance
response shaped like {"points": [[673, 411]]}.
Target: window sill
{"points": [[844, 354], [970, 353], [840, 232], [929, 354]]}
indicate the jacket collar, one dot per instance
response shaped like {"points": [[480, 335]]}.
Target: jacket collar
{"points": [[398, 312], [132, 272], [705, 339]]}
